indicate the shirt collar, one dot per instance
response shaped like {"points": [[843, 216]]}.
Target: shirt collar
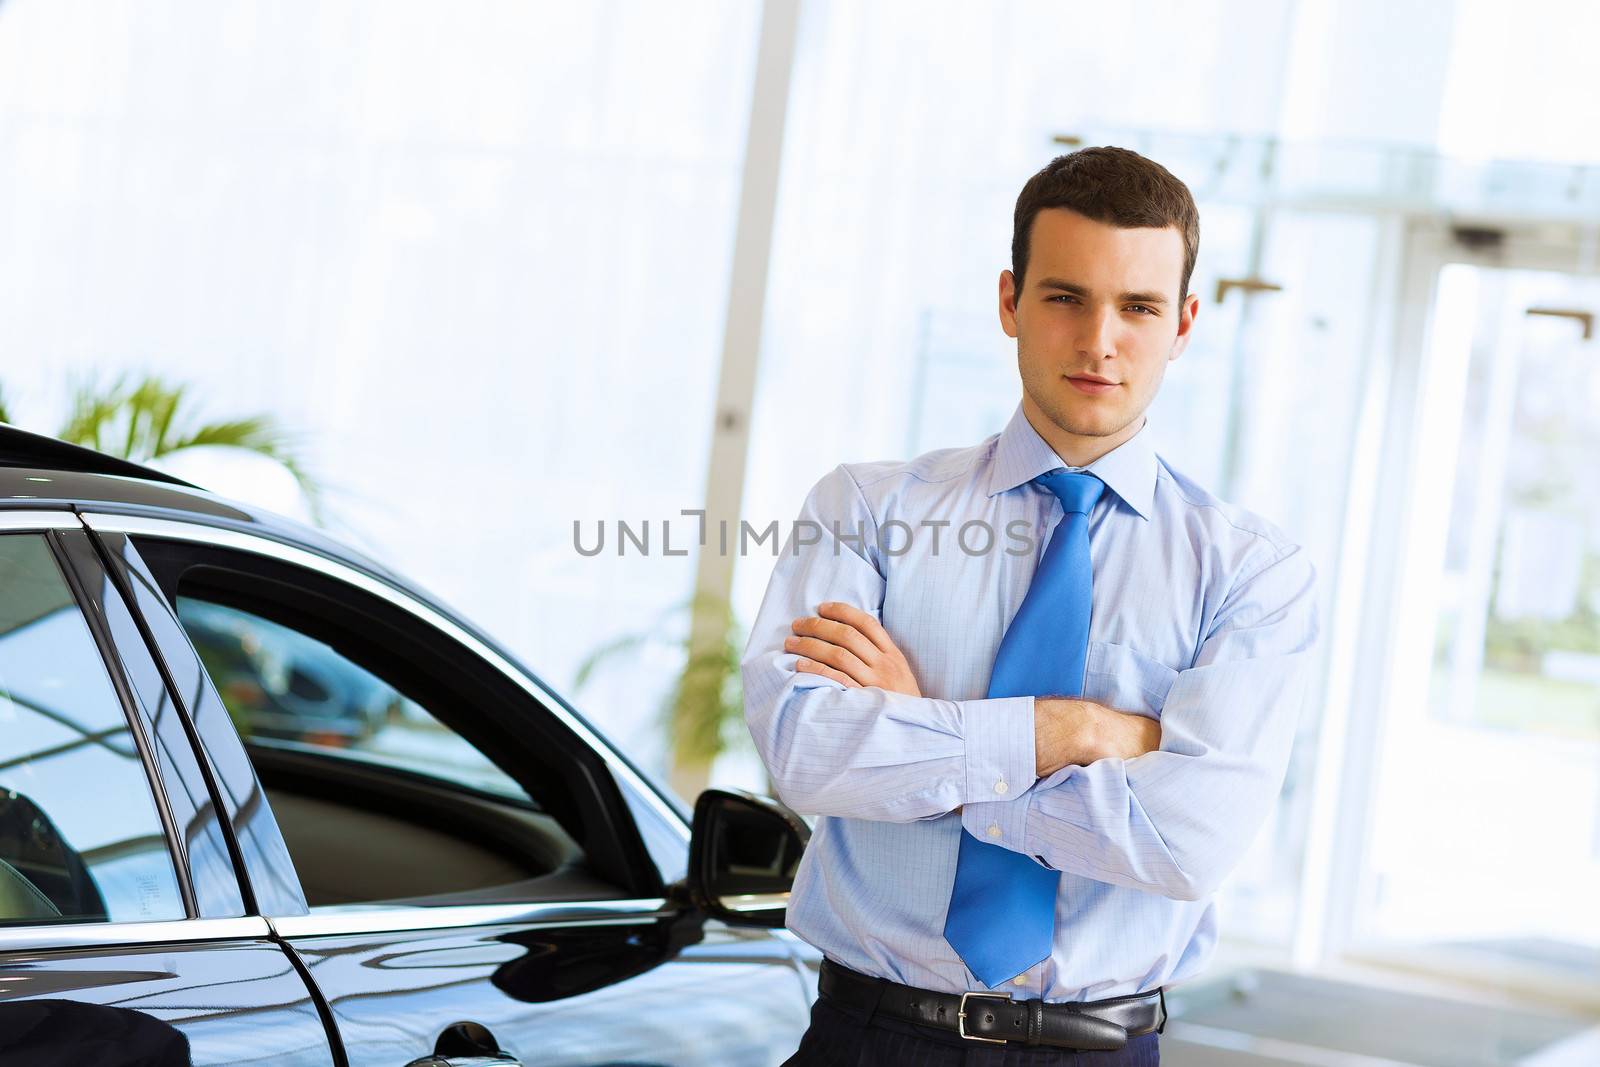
{"points": [[1129, 470]]}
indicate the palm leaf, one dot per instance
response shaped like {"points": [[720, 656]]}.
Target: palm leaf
{"points": [[147, 416], [705, 703], [627, 643], [93, 408], [593, 661], [262, 435]]}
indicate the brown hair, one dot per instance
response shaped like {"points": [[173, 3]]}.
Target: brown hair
{"points": [[1110, 185]]}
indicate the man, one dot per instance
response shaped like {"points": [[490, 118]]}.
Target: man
{"points": [[1040, 692]]}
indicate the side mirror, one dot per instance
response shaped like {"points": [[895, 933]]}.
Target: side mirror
{"points": [[743, 854]]}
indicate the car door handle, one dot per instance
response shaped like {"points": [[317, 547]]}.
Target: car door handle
{"points": [[467, 1044]]}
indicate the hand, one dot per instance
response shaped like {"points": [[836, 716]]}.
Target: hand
{"points": [[850, 646], [1126, 735], [1069, 732]]}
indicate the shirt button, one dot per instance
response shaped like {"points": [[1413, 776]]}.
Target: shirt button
{"points": [[1001, 788], [994, 829], [1020, 979]]}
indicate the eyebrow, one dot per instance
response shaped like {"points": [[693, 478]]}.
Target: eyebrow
{"points": [[1079, 290]]}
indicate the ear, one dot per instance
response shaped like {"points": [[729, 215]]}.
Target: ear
{"points": [[1008, 303], [1186, 316]]}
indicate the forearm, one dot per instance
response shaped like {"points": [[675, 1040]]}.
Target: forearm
{"points": [[862, 750], [1173, 821], [1167, 823], [1152, 824], [1072, 732], [1068, 732]]}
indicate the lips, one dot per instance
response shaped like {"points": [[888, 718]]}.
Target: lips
{"points": [[1091, 384]]}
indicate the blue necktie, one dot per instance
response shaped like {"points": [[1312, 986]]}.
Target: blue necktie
{"points": [[1002, 910]]}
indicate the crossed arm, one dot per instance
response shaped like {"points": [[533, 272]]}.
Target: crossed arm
{"points": [[851, 647], [1166, 807]]}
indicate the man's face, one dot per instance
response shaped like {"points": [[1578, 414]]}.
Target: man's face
{"points": [[1097, 322]]}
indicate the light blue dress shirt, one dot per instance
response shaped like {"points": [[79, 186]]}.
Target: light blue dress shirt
{"points": [[1203, 618]]}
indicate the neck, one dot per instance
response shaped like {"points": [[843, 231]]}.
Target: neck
{"points": [[1078, 450]]}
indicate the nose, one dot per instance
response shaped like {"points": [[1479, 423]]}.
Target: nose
{"points": [[1098, 336]]}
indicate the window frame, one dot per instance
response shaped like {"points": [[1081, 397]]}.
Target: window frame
{"points": [[254, 552]]}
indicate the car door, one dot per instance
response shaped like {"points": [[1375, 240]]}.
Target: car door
{"points": [[124, 935], [476, 880]]}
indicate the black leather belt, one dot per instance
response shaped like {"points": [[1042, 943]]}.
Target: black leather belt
{"points": [[1102, 1025]]}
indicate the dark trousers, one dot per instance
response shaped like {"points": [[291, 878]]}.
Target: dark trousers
{"points": [[838, 1037]]}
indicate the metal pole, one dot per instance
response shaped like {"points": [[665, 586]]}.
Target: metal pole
{"points": [[741, 343]]}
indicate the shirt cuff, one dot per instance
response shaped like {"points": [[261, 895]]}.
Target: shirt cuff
{"points": [[1003, 823], [999, 743]]}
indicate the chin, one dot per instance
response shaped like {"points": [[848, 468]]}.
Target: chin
{"points": [[1088, 418]]}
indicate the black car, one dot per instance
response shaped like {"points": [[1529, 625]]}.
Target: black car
{"points": [[262, 801]]}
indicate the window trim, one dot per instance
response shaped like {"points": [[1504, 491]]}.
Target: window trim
{"points": [[331, 920], [15, 521], [22, 938]]}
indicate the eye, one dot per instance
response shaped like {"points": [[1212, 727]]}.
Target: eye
{"points": [[1064, 296], [1143, 309]]}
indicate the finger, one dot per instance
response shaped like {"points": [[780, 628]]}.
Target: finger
{"points": [[813, 667], [863, 621], [832, 655], [838, 633]]}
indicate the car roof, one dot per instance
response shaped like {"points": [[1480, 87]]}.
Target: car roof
{"points": [[42, 472]]}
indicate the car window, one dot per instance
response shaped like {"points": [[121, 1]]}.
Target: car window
{"points": [[378, 800], [80, 836], [280, 685], [401, 758]]}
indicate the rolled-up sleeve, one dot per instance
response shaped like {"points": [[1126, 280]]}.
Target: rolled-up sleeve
{"points": [[1177, 820], [864, 752]]}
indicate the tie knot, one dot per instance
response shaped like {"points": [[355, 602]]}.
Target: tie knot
{"points": [[1077, 492]]}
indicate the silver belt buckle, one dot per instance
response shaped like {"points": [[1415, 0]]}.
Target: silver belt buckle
{"points": [[961, 1017]]}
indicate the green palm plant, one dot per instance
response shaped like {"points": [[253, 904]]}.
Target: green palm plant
{"points": [[703, 713], [144, 417]]}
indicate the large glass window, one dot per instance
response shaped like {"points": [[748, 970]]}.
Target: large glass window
{"points": [[80, 838], [1487, 857], [515, 223]]}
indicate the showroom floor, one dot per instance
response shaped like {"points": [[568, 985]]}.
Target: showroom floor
{"points": [[1254, 1017]]}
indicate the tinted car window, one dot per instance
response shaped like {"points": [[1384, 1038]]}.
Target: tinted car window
{"points": [[376, 797], [80, 837], [280, 685]]}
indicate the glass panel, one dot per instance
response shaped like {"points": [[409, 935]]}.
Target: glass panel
{"points": [[1489, 854], [427, 204], [80, 838], [281, 685], [243, 804], [322, 726]]}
